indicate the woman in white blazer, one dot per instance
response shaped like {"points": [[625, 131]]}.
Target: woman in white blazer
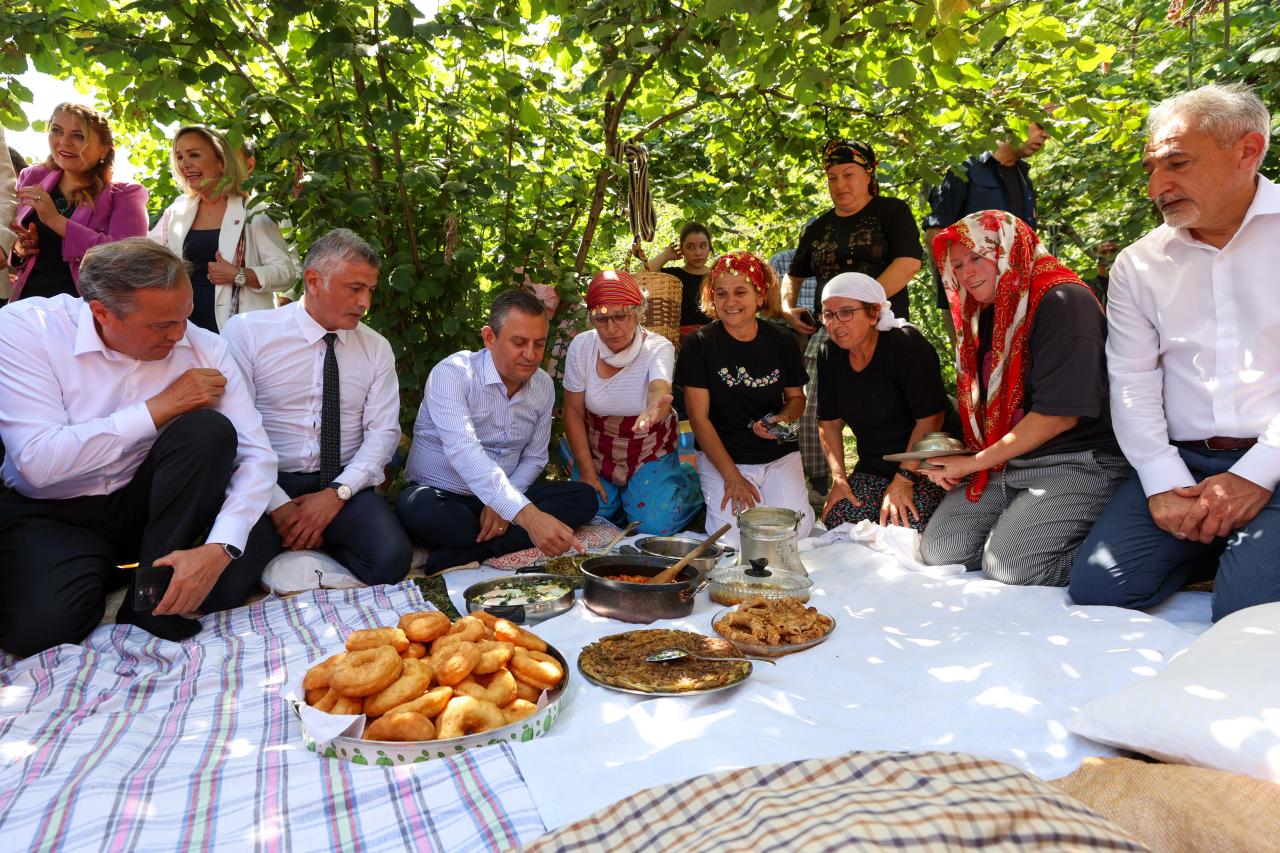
{"points": [[239, 261]]}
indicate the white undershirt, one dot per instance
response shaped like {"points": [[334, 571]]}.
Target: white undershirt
{"points": [[1193, 346], [625, 392]]}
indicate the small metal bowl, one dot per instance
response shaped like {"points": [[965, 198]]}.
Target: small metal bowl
{"points": [[678, 546], [521, 614], [937, 441]]}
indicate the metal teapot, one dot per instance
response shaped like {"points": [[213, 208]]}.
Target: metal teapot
{"points": [[771, 533]]}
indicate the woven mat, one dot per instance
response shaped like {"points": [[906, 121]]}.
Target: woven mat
{"points": [[1174, 807], [593, 536]]}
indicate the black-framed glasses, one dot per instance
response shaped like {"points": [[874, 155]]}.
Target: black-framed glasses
{"points": [[619, 317], [844, 315]]}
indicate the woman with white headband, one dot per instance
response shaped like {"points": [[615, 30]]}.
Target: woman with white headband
{"points": [[878, 375]]}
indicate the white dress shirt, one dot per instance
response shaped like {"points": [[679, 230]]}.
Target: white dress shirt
{"points": [[1193, 346], [471, 439], [282, 355], [74, 417]]}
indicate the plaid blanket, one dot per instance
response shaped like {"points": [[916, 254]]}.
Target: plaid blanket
{"points": [[129, 742], [923, 801]]}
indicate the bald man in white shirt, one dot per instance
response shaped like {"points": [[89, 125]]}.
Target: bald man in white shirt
{"points": [[301, 360], [130, 437], [1192, 313]]}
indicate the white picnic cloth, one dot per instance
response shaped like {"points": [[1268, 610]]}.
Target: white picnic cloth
{"points": [[901, 543], [916, 662]]}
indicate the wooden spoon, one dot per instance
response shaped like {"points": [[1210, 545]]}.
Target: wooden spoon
{"points": [[669, 574]]}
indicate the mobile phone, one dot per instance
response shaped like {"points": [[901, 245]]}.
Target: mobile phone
{"points": [[149, 587], [806, 317], [782, 432]]}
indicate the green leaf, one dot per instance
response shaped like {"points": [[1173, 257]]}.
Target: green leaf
{"points": [[901, 73], [1267, 54]]}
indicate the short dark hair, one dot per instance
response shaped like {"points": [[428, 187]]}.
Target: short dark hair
{"points": [[113, 273], [513, 300], [694, 228]]}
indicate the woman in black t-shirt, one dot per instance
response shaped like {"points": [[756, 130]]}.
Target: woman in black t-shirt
{"points": [[881, 377], [694, 249], [1032, 384], [742, 378]]}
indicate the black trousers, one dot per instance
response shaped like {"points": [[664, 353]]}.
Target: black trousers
{"points": [[365, 535], [60, 557], [448, 523]]}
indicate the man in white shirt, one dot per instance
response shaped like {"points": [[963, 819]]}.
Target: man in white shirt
{"points": [[326, 386], [130, 437], [480, 444], [1192, 314]]}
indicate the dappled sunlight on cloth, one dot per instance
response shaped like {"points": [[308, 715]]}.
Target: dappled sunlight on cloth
{"points": [[916, 661]]}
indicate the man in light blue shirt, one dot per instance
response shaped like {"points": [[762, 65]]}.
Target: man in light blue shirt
{"points": [[480, 443]]}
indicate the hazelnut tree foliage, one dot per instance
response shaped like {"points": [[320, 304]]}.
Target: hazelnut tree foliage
{"points": [[480, 137]]}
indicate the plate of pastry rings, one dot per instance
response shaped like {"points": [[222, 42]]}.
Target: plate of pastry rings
{"points": [[773, 627], [617, 662], [431, 687]]}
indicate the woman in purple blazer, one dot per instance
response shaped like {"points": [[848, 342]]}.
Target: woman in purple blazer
{"points": [[69, 204]]}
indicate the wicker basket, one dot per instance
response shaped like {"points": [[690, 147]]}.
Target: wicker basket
{"points": [[662, 295]]}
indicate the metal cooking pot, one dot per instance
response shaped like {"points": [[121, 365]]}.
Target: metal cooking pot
{"points": [[638, 602], [678, 546]]}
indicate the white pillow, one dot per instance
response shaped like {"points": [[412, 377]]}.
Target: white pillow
{"points": [[292, 572], [1216, 704]]}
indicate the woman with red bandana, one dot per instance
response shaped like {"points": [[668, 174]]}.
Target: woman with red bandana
{"points": [[1032, 387], [744, 388], [618, 418]]}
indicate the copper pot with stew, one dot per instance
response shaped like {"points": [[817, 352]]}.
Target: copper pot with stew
{"points": [[635, 601]]}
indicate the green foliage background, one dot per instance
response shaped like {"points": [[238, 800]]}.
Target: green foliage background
{"points": [[479, 139]]}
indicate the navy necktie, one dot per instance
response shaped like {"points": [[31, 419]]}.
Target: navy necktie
{"points": [[330, 416]]}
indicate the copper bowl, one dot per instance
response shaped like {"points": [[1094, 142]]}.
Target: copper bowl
{"points": [[638, 602]]}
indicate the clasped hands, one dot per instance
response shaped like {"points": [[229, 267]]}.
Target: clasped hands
{"points": [[1210, 509]]}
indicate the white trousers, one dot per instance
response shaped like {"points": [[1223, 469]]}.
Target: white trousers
{"points": [[781, 484]]}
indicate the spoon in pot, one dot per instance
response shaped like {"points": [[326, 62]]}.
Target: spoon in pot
{"points": [[669, 574], [677, 654], [622, 534]]}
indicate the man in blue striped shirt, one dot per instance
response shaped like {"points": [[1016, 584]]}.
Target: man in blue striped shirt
{"points": [[480, 444]]}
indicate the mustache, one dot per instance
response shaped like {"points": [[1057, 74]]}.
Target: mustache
{"points": [[1165, 199]]}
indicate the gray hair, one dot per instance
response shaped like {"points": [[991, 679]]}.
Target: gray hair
{"points": [[1225, 112], [112, 273], [340, 244], [514, 300]]}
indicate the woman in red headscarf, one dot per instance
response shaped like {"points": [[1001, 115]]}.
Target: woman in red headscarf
{"points": [[1032, 387], [618, 418], [743, 385]]}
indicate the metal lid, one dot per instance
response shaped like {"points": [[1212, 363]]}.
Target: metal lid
{"points": [[758, 575], [768, 519]]}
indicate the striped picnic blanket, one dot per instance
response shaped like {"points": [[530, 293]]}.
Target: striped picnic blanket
{"points": [[129, 742], [922, 801]]}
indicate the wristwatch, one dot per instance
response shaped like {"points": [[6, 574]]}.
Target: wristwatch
{"points": [[909, 476], [239, 279], [233, 552], [343, 490]]}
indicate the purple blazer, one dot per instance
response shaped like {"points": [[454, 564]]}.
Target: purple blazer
{"points": [[119, 211]]}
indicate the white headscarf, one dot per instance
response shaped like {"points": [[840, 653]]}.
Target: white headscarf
{"points": [[865, 289]]}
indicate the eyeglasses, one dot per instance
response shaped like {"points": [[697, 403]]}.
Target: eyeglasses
{"points": [[844, 315], [619, 317]]}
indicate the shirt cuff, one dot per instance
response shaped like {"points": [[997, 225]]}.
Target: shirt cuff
{"points": [[229, 531], [1164, 474], [510, 505], [134, 424], [279, 497], [1261, 465]]}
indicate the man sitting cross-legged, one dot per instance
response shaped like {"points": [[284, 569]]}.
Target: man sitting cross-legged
{"points": [[130, 436], [480, 443], [326, 386]]}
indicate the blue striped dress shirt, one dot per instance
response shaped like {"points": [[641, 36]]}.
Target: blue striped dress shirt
{"points": [[471, 439]]}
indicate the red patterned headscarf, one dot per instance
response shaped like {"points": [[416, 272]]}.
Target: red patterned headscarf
{"points": [[613, 287], [1025, 272], [744, 264]]}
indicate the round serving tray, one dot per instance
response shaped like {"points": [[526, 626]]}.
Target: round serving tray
{"points": [[920, 455], [770, 651], [729, 686], [522, 614], [384, 753]]}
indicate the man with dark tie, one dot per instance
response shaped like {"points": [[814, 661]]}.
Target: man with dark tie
{"points": [[326, 386]]}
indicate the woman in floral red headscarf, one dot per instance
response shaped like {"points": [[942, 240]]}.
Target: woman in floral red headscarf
{"points": [[1032, 386], [743, 385]]}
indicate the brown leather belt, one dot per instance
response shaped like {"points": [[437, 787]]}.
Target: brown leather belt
{"points": [[1218, 442]]}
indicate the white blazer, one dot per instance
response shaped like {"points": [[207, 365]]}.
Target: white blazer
{"points": [[265, 251]]}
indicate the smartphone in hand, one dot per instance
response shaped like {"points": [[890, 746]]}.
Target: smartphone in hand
{"points": [[806, 316], [149, 587]]}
